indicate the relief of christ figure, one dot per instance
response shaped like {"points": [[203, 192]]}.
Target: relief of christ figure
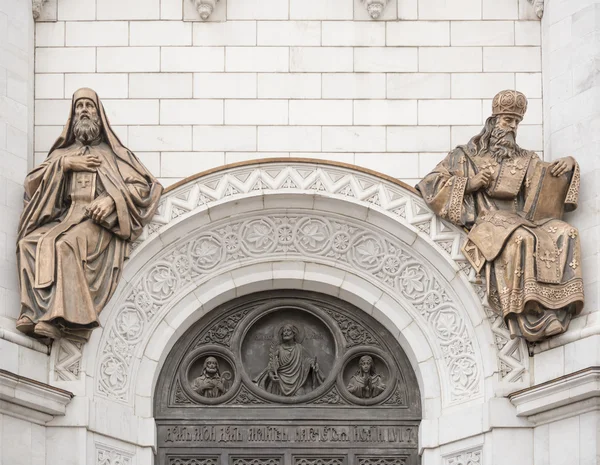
{"points": [[512, 203], [89, 198], [292, 370]]}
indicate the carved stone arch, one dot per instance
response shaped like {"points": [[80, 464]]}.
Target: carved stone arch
{"points": [[442, 325]]}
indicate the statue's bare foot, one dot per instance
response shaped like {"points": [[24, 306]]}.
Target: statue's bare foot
{"points": [[47, 330]]}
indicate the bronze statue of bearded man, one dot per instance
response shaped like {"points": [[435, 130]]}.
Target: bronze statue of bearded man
{"points": [[512, 203], [83, 205]]}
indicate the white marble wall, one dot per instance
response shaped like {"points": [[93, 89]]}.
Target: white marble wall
{"points": [[299, 78], [572, 117], [16, 156], [316, 79]]}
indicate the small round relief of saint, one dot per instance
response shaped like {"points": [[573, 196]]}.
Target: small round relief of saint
{"points": [[211, 383], [366, 383]]}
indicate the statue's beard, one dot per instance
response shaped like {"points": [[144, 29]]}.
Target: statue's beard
{"points": [[503, 144], [87, 130]]}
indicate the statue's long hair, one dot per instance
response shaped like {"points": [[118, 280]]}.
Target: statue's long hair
{"points": [[371, 370], [481, 142]]}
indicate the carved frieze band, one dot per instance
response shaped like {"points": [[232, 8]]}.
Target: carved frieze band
{"points": [[303, 234], [343, 183], [470, 457], [106, 455]]}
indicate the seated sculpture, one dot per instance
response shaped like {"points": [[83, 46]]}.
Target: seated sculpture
{"points": [[512, 204], [211, 383], [83, 205], [366, 383], [292, 370]]}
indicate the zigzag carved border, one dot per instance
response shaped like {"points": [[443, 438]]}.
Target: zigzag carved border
{"points": [[316, 177]]}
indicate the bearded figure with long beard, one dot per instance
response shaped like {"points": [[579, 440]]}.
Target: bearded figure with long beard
{"points": [[512, 203], [83, 205]]}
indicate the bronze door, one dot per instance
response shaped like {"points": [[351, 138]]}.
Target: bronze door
{"points": [[287, 378]]}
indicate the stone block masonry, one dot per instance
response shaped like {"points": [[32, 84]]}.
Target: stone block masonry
{"points": [[276, 73]]}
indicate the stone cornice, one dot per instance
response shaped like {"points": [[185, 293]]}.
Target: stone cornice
{"points": [[545, 402], [29, 399]]}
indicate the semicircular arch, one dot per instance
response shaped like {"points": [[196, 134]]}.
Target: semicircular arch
{"points": [[338, 216]]}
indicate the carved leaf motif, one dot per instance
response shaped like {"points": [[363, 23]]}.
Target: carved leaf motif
{"points": [[397, 398], [412, 278], [313, 233], [353, 331], [221, 332], [349, 243], [331, 398], [180, 396], [245, 397], [115, 370], [205, 251], [130, 324], [369, 251], [260, 234]]}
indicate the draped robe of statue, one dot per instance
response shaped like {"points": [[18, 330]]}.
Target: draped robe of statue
{"points": [[293, 365], [210, 385], [366, 385], [532, 259], [69, 266]]}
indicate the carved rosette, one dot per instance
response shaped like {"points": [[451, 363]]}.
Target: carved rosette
{"points": [[375, 7], [302, 234]]}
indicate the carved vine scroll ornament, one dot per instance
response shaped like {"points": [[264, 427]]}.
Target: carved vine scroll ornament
{"points": [[512, 203], [84, 204], [384, 258]]}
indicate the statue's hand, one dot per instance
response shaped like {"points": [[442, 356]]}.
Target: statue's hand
{"points": [[479, 181], [562, 166], [101, 208], [273, 376], [78, 163]]}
